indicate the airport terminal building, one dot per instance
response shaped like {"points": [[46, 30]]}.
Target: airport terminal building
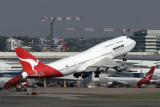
{"points": [[147, 40]]}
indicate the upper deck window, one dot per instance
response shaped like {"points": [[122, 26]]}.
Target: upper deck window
{"points": [[109, 45], [120, 41]]}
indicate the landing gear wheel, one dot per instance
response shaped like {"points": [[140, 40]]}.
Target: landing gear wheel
{"points": [[76, 75], [96, 76], [124, 59], [87, 75], [83, 76]]}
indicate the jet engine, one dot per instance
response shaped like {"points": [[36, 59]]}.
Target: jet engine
{"points": [[121, 68], [157, 82]]}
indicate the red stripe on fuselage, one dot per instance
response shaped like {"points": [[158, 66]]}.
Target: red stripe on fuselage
{"points": [[33, 67], [44, 72]]}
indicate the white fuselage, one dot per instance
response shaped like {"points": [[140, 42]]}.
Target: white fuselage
{"points": [[124, 80], [78, 63]]}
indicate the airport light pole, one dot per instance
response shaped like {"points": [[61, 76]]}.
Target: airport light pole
{"points": [[141, 56], [141, 61]]}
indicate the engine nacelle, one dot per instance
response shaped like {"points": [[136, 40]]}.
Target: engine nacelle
{"points": [[121, 68], [157, 82]]}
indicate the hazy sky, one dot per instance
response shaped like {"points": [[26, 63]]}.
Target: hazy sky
{"points": [[21, 17]]}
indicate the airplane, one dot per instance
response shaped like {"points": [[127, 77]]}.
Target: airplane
{"points": [[101, 55], [10, 73], [10, 81], [128, 81]]}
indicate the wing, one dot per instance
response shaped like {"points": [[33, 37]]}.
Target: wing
{"points": [[106, 62]]}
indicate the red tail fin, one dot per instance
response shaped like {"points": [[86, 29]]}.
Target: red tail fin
{"points": [[63, 45], [149, 75], [33, 67], [146, 79], [28, 61]]}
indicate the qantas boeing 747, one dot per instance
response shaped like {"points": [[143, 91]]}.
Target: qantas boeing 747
{"points": [[101, 55]]}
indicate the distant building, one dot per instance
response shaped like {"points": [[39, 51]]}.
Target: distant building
{"points": [[4, 66], [12, 43], [27, 48], [147, 40], [45, 44]]}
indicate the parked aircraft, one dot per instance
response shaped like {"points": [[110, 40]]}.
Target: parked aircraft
{"points": [[9, 81], [129, 81], [101, 55]]}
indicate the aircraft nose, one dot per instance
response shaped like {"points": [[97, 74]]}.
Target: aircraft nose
{"points": [[133, 42]]}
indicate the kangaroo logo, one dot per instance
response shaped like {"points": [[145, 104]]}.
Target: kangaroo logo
{"points": [[31, 62], [147, 76]]}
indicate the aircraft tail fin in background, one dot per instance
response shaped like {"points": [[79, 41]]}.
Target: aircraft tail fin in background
{"points": [[149, 75], [146, 79], [64, 47]]}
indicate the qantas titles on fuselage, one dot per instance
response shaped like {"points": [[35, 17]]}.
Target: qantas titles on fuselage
{"points": [[118, 47]]}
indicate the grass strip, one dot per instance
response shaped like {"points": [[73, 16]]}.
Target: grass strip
{"points": [[128, 96]]}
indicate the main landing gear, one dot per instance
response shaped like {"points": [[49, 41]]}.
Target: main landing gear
{"points": [[77, 75], [96, 76], [84, 75], [97, 72]]}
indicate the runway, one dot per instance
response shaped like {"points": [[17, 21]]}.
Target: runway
{"points": [[36, 101], [82, 97]]}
